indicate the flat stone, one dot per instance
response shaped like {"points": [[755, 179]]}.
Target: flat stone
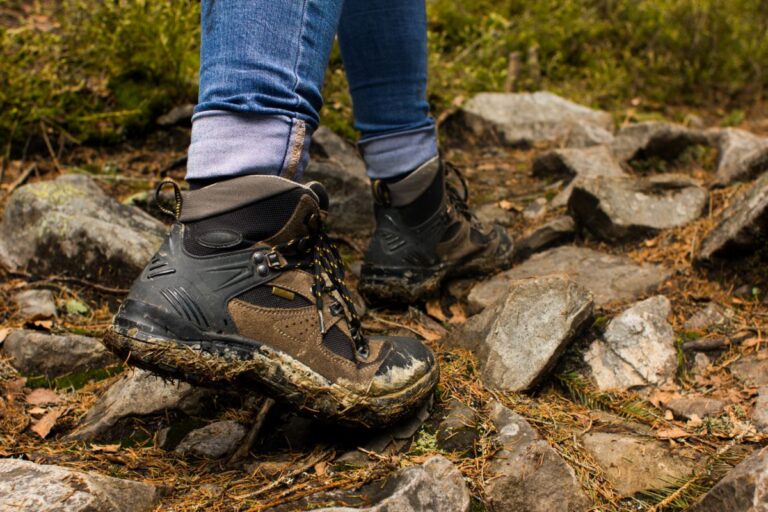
{"points": [[638, 348], [743, 489], [458, 430], [527, 473], [711, 315], [35, 304], [492, 213], [525, 119], [760, 411], [436, 486], [212, 441], [37, 353], [608, 277], [627, 209], [752, 369], [69, 226], [588, 135], [688, 407], [535, 209], [555, 232], [742, 156], [137, 393], [635, 463], [742, 228], [338, 166], [44, 488], [519, 340], [180, 114], [655, 139]]}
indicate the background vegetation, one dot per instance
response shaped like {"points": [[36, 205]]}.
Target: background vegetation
{"points": [[100, 70]]}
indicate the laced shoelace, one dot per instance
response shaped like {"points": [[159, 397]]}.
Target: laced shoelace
{"points": [[325, 260], [459, 198]]}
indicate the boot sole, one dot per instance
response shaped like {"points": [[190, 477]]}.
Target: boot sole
{"points": [[215, 364]]}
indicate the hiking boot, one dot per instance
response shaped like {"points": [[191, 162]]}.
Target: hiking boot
{"points": [[424, 233], [248, 290]]}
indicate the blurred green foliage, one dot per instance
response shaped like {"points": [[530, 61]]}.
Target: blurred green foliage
{"points": [[102, 69]]}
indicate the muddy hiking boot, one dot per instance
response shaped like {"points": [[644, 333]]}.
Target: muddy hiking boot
{"points": [[248, 290], [424, 233]]}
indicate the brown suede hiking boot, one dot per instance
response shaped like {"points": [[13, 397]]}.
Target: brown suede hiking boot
{"points": [[247, 290], [425, 232]]}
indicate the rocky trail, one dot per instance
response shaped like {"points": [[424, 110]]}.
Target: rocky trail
{"points": [[621, 364]]}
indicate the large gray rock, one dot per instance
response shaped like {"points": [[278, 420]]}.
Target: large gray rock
{"points": [[634, 463], [37, 353], [526, 473], [555, 232], [436, 486], [743, 225], [752, 369], [588, 135], [212, 441], [744, 488], [638, 348], [525, 119], [70, 226], [338, 167], [655, 139], [35, 304], [137, 393], [689, 407], [608, 277], [626, 209], [742, 156], [43, 488], [760, 412], [519, 340]]}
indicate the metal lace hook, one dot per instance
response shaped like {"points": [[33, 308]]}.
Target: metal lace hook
{"points": [[176, 212]]}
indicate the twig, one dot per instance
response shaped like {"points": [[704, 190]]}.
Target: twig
{"points": [[318, 455], [65, 279], [245, 448], [22, 178], [50, 147]]}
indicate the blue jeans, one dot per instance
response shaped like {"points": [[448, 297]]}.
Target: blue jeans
{"points": [[261, 75]]}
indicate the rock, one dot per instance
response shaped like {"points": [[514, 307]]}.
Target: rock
{"points": [[555, 232], [742, 156], [69, 226], [752, 369], [518, 340], [635, 463], [627, 209], [351, 203], [535, 209], [177, 115], [213, 441], [37, 353], [492, 213], [609, 278], [654, 139], [137, 393], [688, 407], [527, 474], [760, 411], [638, 348], [458, 431], [44, 488], [701, 363], [588, 135], [711, 315], [525, 119], [326, 145], [35, 304], [436, 486], [743, 489], [742, 228]]}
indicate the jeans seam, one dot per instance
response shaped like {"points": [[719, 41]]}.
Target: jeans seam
{"points": [[297, 79]]}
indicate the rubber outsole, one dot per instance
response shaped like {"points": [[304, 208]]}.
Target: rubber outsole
{"points": [[271, 372]]}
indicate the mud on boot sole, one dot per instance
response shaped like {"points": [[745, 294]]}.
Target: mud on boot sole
{"points": [[401, 285], [218, 364]]}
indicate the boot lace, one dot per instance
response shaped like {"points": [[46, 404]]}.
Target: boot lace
{"points": [[459, 197], [321, 257]]}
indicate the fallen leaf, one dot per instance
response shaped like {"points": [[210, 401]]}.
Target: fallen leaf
{"points": [[37, 411], [320, 468], [507, 205], [43, 324], [668, 415], [751, 342], [694, 421], [4, 332], [672, 433], [435, 310], [42, 396], [458, 316], [105, 448], [43, 426]]}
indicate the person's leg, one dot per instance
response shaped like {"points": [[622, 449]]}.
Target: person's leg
{"points": [[262, 65], [384, 47]]}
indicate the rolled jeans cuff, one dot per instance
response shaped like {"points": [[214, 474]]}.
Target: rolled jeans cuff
{"points": [[394, 154], [229, 144]]}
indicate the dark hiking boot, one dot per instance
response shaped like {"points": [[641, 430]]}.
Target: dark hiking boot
{"points": [[425, 232], [247, 290]]}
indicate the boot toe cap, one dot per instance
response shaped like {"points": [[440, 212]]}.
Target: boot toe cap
{"points": [[408, 362]]}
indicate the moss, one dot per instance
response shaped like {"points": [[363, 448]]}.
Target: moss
{"points": [[74, 380]]}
